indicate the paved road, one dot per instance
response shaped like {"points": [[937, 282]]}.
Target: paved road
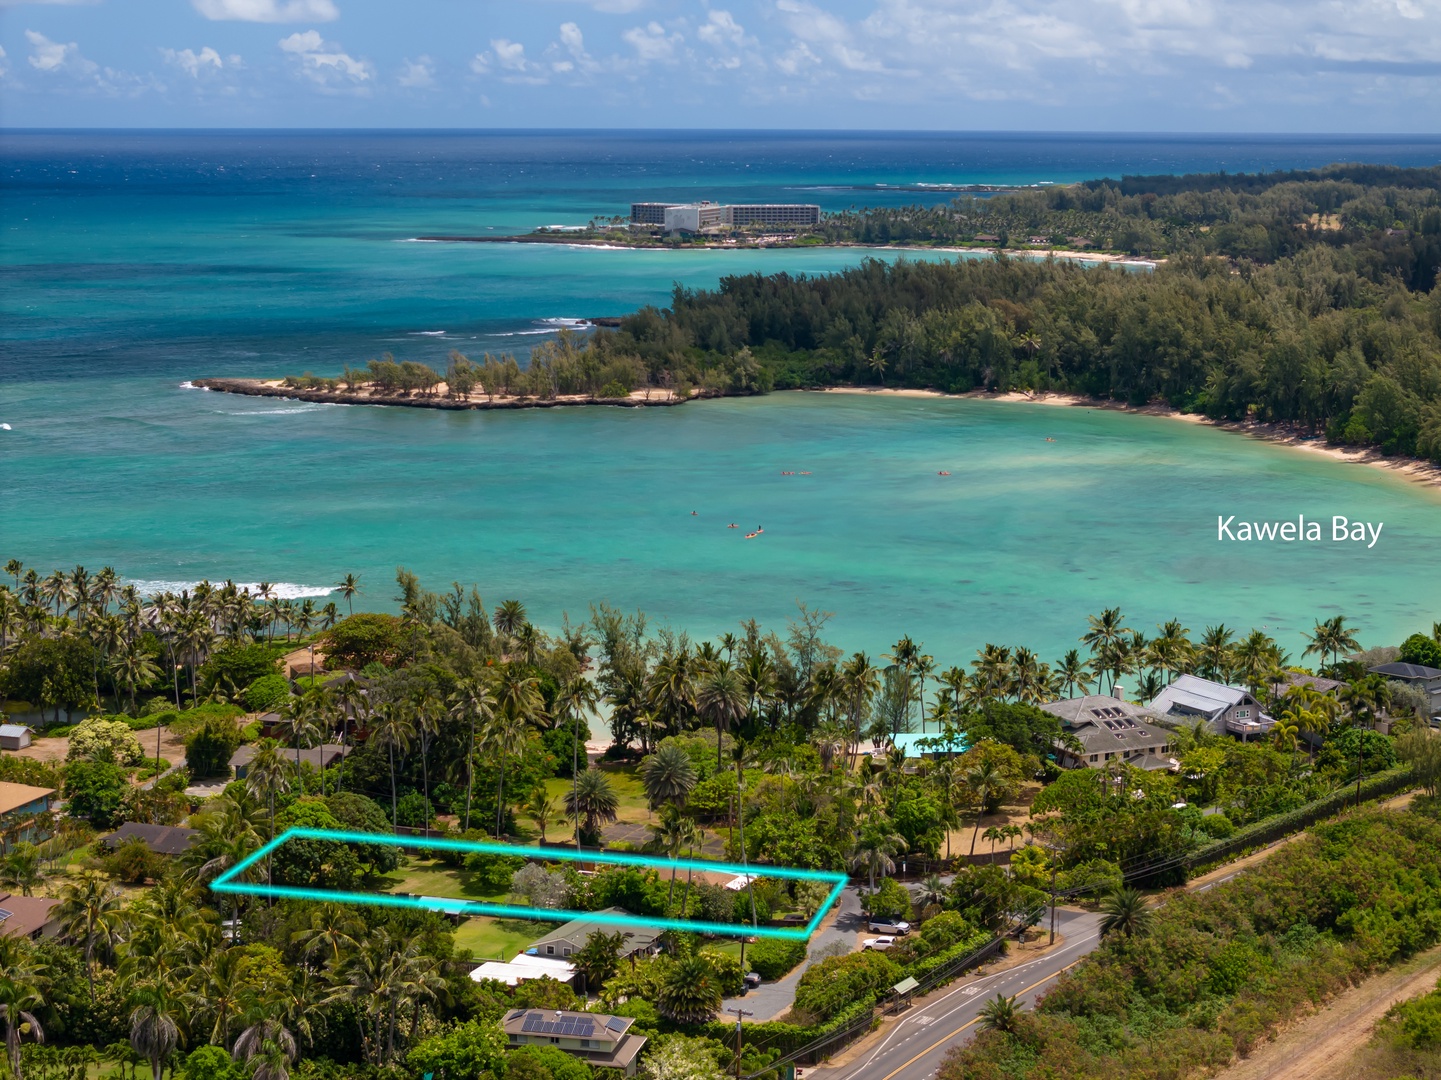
{"points": [[914, 1048], [769, 1000]]}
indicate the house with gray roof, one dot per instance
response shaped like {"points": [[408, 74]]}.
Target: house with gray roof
{"points": [[318, 758], [1110, 729], [1224, 709], [604, 1041], [161, 839], [567, 939], [1424, 678]]}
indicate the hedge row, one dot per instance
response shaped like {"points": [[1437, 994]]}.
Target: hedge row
{"points": [[923, 967], [1274, 828], [773, 959]]}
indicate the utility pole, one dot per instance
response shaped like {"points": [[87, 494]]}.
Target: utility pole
{"points": [[1053, 899], [739, 1013]]}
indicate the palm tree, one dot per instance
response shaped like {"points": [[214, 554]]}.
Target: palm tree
{"points": [[931, 896], [1332, 637], [875, 848], [984, 780], [1214, 655], [542, 809], [599, 957], [577, 698], [18, 995], [1073, 670], [20, 868], [268, 1047], [347, 587], [154, 1025], [132, 669], [994, 835], [474, 704], [1000, 1014], [689, 992], [509, 618], [504, 737], [904, 655], [393, 729], [591, 802], [861, 680], [1104, 629], [88, 907], [1125, 911], [721, 699], [300, 716], [668, 775], [13, 567]]}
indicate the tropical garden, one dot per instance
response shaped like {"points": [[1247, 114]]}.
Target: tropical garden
{"points": [[461, 720]]}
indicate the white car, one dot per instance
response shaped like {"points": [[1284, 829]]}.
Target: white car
{"points": [[878, 943], [897, 928]]}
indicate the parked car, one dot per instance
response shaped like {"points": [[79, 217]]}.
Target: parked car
{"points": [[878, 943], [753, 979], [885, 926]]}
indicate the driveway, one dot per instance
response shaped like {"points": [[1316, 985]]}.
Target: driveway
{"points": [[769, 1000]]}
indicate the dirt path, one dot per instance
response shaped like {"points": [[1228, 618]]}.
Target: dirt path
{"points": [[1320, 1047]]}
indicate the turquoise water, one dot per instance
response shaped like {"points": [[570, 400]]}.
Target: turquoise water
{"points": [[131, 264]]}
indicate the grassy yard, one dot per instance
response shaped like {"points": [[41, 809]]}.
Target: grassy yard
{"points": [[625, 779], [430, 877], [495, 939]]}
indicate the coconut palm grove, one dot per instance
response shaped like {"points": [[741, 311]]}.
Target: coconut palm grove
{"points": [[155, 742]]}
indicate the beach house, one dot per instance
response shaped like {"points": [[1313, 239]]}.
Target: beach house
{"points": [[22, 810], [1423, 678], [1224, 709], [604, 1041], [161, 839], [318, 758], [1104, 728], [32, 917], [567, 939]]}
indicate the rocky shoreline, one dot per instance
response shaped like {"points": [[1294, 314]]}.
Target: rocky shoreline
{"points": [[262, 388]]}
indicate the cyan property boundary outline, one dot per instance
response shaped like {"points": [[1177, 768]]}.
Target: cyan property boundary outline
{"points": [[229, 882]]}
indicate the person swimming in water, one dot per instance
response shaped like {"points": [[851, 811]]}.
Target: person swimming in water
{"points": [[732, 525], [694, 514]]}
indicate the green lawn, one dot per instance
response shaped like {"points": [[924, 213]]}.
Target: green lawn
{"points": [[495, 939], [625, 779], [429, 877]]}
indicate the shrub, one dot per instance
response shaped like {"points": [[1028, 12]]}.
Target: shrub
{"points": [[493, 873], [1217, 826], [360, 640], [1420, 1021], [545, 1063], [1420, 649], [266, 693], [103, 739], [727, 968], [208, 751], [832, 985], [94, 790], [773, 959], [133, 863], [468, 1049], [209, 1063]]}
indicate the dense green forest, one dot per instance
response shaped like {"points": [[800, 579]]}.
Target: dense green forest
{"points": [[1306, 299]]}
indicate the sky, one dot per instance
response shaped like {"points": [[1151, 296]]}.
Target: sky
{"points": [[1368, 66]]}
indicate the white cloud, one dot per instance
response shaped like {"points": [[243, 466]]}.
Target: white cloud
{"points": [[418, 74], [507, 59], [4, 67], [324, 63], [651, 42], [721, 28], [192, 62], [47, 55], [268, 11]]}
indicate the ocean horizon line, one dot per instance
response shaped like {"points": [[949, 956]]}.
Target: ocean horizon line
{"points": [[897, 133]]}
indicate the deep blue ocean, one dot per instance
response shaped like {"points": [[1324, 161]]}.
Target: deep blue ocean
{"points": [[132, 262]]}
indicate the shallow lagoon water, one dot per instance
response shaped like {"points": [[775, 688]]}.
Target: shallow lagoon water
{"points": [[131, 264]]}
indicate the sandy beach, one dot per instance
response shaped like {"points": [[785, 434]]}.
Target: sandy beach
{"points": [[1422, 472], [367, 394]]}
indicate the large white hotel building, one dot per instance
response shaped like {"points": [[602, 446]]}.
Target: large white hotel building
{"points": [[696, 217]]}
